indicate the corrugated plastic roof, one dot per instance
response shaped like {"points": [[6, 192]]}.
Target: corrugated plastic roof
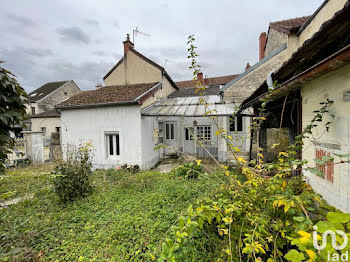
{"points": [[189, 107]]}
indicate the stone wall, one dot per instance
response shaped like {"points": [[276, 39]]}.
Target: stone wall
{"points": [[250, 82], [58, 96], [55, 148], [275, 39]]}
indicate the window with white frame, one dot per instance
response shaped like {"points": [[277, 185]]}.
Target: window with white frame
{"points": [[112, 144], [204, 132], [169, 130], [236, 123], [189, 133]]}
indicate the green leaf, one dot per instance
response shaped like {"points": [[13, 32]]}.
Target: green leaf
{"points": [[299, 219], [337, 217], [294, 256]]}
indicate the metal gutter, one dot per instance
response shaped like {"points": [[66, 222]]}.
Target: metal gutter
{"points": [[323, 67], [262, 61]]}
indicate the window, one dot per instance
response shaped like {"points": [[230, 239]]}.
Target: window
{"points": [[58, 129], [169, 130], [112, 144], [43, 129], [204, 132], [189, 133], [236, 123], [33, 110]]}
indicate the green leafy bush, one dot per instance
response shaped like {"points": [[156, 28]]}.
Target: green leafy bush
{"points": [[12, 112], [71, 178], [189, 170]]}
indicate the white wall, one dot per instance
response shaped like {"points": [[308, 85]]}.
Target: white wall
{"points": [[80, 125], [337, 141], [149, 156]]}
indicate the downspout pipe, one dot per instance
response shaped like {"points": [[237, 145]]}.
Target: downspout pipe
{"points": [[269, 80]]}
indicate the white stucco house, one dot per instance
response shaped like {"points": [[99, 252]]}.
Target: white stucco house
{"points": [[141, 107]]}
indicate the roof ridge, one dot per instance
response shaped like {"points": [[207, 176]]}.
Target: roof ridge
{"points": [[209, 78], [284, 20]]}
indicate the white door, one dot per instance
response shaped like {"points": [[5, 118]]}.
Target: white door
{"points": [[170, 138]]}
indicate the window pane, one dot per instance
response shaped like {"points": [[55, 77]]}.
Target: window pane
{"points": [[187, 135], [117, 144], [167, 131], [110, 143], [172, 131], [239, 123]]}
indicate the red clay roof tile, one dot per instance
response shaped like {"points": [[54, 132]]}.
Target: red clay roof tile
{"points": [[108, 95]]}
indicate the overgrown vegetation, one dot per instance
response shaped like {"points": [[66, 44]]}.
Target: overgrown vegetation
{"points": [[12, 112], [270, 215], [189, 170], [71, 178], [125, 218]]}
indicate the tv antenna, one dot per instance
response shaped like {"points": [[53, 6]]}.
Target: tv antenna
{"points": [[135, 32]]}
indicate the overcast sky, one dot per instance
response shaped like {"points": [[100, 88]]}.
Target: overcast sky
{"points": [[44, 41]]}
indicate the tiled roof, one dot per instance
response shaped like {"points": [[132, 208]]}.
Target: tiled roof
{"points": [[212, 81], [108, 95], [290, 25], [187, 92], [44, 90], [50, 113]]}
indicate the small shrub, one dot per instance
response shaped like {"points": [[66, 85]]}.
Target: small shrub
{"points": [[71, 179], [189, 170]]}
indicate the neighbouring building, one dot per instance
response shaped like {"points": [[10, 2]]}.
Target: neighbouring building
{"points": [[141, 107], [317, 71], [275, 47], [111, 115], [42, 102]]}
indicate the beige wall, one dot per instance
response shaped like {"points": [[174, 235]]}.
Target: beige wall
{"points": [[117, 77], [134, 70], [37, 108], [332, 86], [50, 123], [324, 15], [167, 89]]}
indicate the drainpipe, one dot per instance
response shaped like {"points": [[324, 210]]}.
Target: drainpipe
{"points": [[269, 80]]}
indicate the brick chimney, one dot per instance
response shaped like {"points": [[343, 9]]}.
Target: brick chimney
{"points": [[262, 45], [247, 66], [200, 77], [127, 44]]}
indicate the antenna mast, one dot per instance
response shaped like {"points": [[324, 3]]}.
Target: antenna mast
{"points": [[135, 32]]}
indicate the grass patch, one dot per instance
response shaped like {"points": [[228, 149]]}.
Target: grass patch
{"points": [[25, 181], [125, 218]]}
